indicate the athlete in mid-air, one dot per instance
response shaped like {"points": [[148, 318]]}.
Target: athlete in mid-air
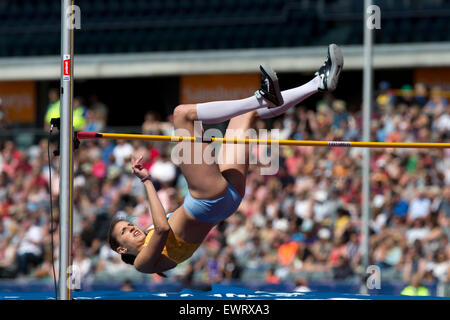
{"points": [[215, 190]]}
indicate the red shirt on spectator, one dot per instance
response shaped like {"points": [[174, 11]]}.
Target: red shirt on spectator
{"points": [[153, 155], [4, 209], [336, 253], [39, 181]]}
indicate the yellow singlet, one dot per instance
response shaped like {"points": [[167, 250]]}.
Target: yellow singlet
{"points": [[176, 249]]}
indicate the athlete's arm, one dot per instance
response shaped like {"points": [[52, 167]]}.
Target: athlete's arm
{"points": [[148, 257]]}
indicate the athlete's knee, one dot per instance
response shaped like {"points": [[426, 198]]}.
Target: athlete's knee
{"points": [[252, 116], [185, 112]]}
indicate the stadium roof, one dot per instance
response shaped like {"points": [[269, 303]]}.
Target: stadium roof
{"points": [[305, 59]]}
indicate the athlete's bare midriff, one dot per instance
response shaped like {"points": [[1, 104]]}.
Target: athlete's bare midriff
{"points": [[188, 228]]}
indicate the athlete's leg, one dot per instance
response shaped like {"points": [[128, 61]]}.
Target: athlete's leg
{"points": [[235, 157], [267, 96], [326, 79], [234, 168], [204, 180], [268, 100], [299, 94]]}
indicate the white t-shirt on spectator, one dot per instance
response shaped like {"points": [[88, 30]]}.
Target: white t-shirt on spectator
{"points": [[84, 267], [440, 270], [164, 172], [280, 224], [34, 234], [416, 234], [107, 253], [447, 176], [443, 122], [301, 208], [122, 151], [302, 289], [419, 208], [237, 236], [379, 222], [322, 210]]}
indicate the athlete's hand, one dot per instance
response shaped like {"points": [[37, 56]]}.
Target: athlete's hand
{"points": [[137, 168]]}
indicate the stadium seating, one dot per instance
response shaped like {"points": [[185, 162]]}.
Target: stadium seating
{"points": [[112, 26]]}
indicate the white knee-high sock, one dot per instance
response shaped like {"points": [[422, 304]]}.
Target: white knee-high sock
{"points": [[291, 98], [219, 111]]}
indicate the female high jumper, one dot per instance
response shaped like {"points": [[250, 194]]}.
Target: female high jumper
{"points": [[215, 190]]}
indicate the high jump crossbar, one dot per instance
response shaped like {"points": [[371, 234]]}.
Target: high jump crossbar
{"points": [[83, 135]]}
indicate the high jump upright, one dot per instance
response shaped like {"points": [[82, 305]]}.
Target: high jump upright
{"points": [[66, 151], [367, 115]]}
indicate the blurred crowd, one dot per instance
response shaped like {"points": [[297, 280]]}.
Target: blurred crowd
{"points": [[303, 223]]}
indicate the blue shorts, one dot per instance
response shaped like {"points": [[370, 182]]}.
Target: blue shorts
{"points": [[213, 210]]}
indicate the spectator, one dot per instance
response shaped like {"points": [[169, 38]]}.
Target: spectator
{"points": [[354, 249], [213, 268], [339, 249], [99, 109], [83, 263], [3, 231], [437, 101], [4, 121], [415, 288], [127, 285], [163, 170], [388, 253], [418, 231], [151, 124], [440, 266], [342, 270], [322, 248], [406, 95], [385, 98], [400, 208], [323, 208], [444, 207], [442, 123], [8, 263], [93, 124], [52, 108], [271, 277], [305, 219], [79, 114], [414, 262], [340, 114], [121, 152], [29, 252], [420, 94], [231, 269], [419, 206], [287, 251], [301, 285]]}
